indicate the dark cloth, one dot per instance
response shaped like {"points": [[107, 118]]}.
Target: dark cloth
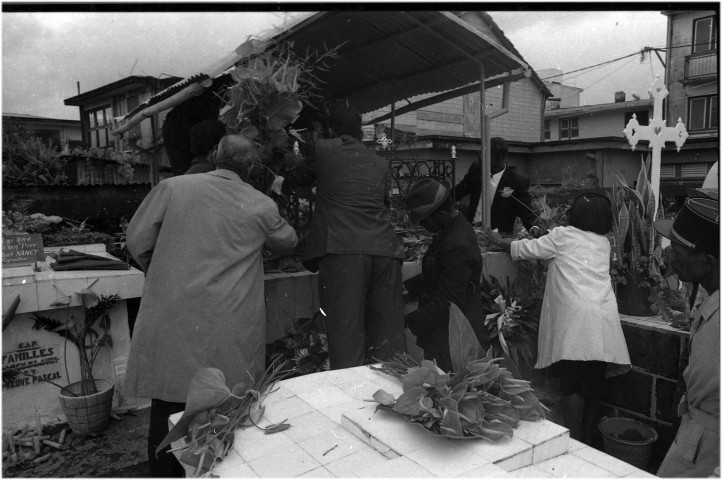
{"points": [[585, 378], [200, 165], [503, 210], [165, 464], [361, 296], [74, 260], [351, 214], [450, 273]]}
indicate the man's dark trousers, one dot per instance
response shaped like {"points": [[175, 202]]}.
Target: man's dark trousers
{"points": [[361, 296], [165, 463]]}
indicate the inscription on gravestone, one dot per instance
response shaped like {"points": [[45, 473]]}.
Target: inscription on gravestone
{"points": [[22, 248]]}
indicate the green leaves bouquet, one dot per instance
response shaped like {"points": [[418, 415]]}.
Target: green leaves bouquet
{"points": [[213, 413], [480, 400], [513, 323]]}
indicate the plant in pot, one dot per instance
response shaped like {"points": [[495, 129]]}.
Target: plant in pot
{"points": [[636, 252], [87, 403]]}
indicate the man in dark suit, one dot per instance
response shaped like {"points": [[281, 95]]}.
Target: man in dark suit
{"points": [[511, 192], [352, 244]]}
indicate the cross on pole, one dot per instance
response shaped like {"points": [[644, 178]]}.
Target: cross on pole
{"points": [[657, 134]]}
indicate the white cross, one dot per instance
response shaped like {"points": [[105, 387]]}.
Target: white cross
{"points": [[657, 134], [384, 142]]}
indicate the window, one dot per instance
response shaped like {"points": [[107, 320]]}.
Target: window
{"points": [[99, 127], [705, 35], [568, 128], [547, 129], [703, 113]]}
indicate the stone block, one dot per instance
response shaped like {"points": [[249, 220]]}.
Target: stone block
{"points": [[28, 294], [331, 445], [602, 460], [571, 466], [289, 461], [633, 391], [666, 406], [653, 351], [350, 465], [447, 459], [400, 467]]}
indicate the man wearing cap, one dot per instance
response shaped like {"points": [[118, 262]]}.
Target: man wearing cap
{"points": [[450, 269], [507, 190], [694, 257]]}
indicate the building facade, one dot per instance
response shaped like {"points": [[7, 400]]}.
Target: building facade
{"points": [[593, 121], [98, 108], [692, 79]]}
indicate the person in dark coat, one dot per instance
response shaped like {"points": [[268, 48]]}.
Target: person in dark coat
{"points": [[511, 194], [450, 269], [205, 136], [352, 244]]}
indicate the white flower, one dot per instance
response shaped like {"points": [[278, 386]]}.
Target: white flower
{"points": [[506, 193]]}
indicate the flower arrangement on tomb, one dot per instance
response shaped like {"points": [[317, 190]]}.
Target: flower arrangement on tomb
{"points": [[213, 412], [479, 399]]}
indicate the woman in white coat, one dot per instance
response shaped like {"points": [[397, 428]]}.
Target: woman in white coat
{"points": [[580, 333]]}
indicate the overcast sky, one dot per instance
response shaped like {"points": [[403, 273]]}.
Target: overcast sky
{"points": [[45, 54]]}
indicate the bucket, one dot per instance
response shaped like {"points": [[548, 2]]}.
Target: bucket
{"points": [[87, 414], [628, 440]]}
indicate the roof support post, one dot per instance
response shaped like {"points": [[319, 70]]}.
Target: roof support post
{"points": [[484, 150]]}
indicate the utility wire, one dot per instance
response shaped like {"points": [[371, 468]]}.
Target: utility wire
{"points": [[640, 52]]}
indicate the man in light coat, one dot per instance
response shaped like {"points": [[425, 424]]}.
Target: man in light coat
{"points": [[199, 239], [694, 257]]}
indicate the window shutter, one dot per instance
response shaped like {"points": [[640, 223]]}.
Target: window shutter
{"points": [[713, 112], [703, 35], [690, 170], [666, 171], [697, 113]]}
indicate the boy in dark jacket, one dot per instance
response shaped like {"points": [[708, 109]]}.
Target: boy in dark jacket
{"points": [[450, 269]]}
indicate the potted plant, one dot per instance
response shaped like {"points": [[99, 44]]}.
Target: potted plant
{"points": [[636, 252], [87, 403]]}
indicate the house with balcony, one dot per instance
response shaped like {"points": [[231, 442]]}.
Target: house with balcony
{"points": [[101, 150], [692, 79]]}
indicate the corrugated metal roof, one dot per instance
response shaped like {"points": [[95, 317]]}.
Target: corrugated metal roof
{"points": [[399, 54], [124, 83], [385, 56]]}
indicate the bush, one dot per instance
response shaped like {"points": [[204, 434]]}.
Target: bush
{"points": [[28, 161]]}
